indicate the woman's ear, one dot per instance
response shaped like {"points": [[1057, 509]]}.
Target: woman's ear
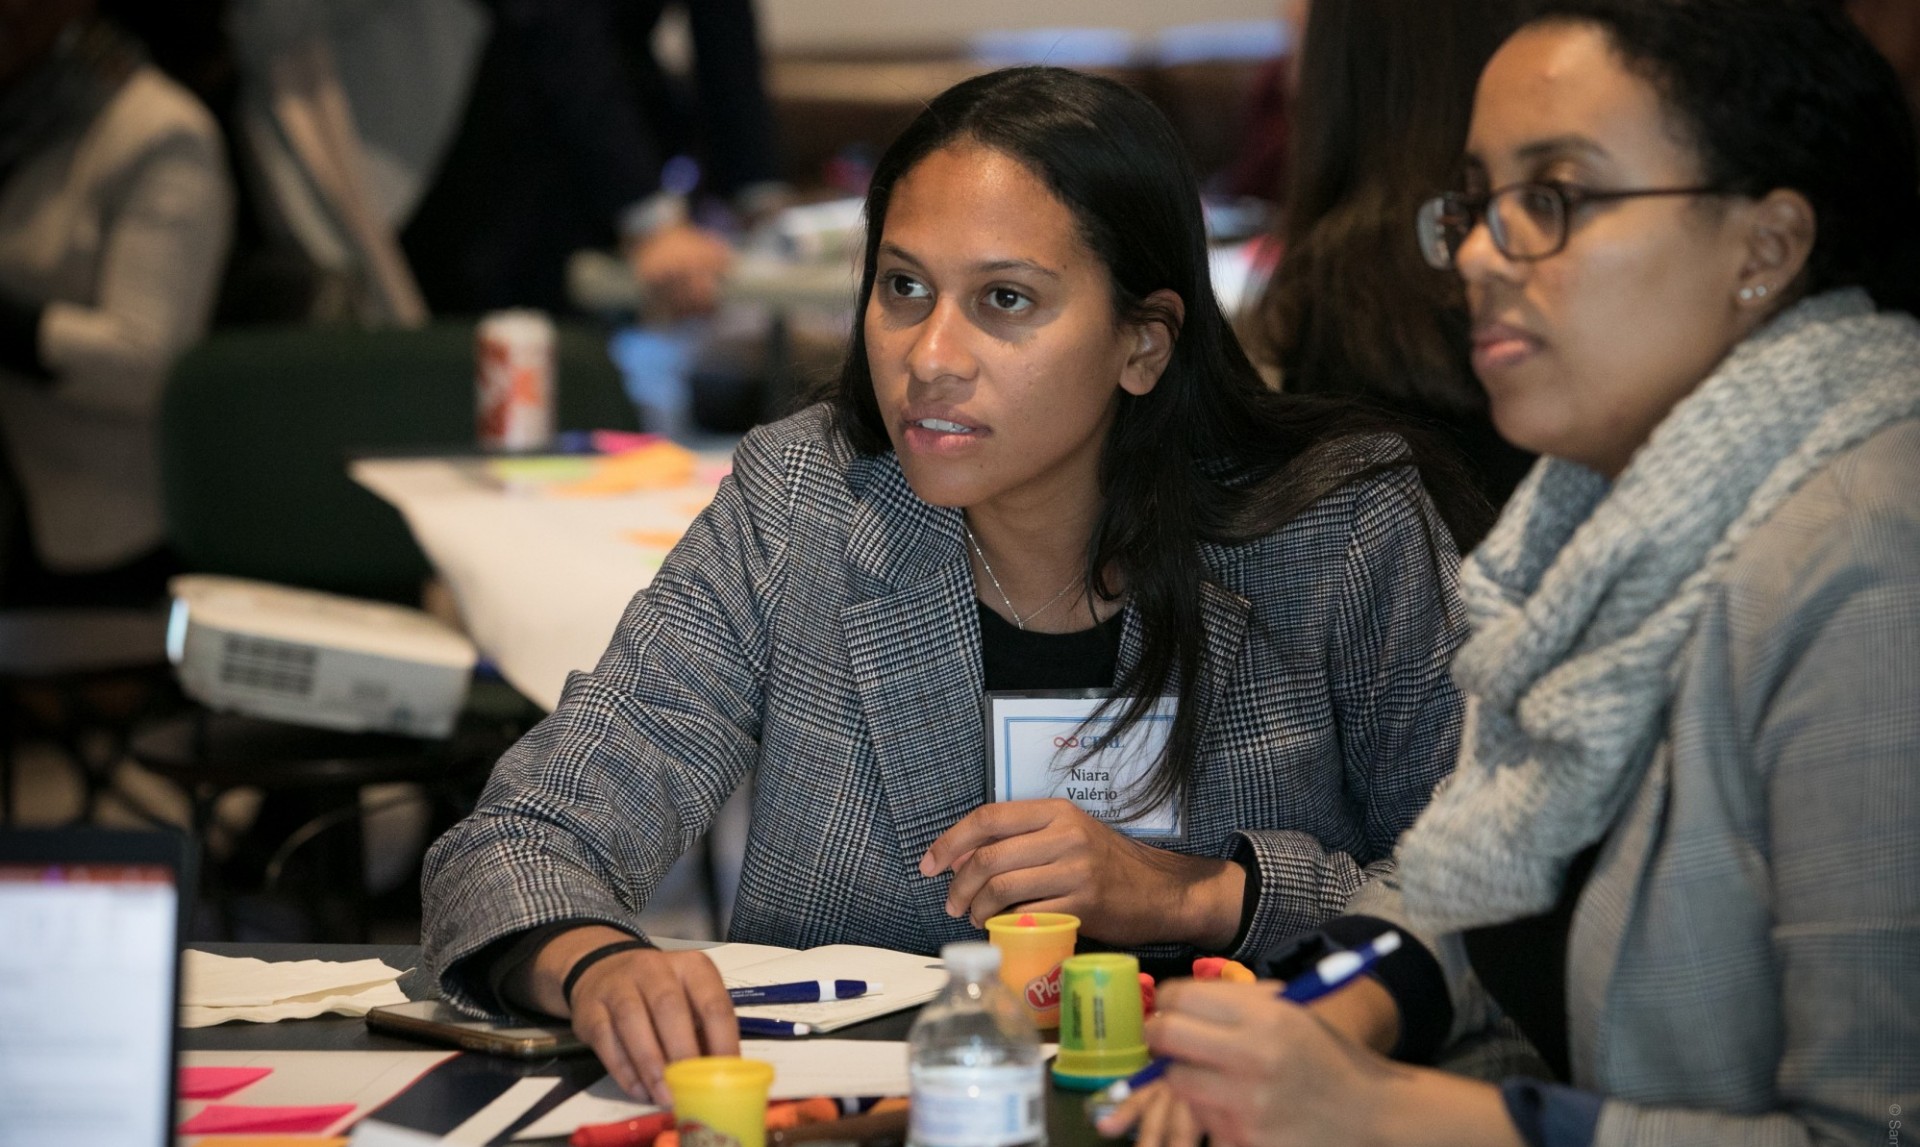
{"points": [[1780, 232], [1153, 339]]}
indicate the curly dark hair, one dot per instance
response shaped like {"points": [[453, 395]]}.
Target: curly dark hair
{"points": [[1790, 94]]}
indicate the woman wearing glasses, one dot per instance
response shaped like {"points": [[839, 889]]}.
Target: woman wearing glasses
{"points": [[1682, 847]]}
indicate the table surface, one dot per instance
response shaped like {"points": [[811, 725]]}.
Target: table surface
{"points": [[446, 1097], [541, 582], [541, 579]]}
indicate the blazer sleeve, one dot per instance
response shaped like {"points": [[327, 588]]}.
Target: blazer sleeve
{"points": [[1397, 619], [582, 818], [1835, 732]]}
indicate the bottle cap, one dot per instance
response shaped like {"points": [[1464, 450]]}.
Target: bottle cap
{"points": [[973, 959]]}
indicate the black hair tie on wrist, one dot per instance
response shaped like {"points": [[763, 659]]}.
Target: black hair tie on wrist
{"points": [[581, 965]]}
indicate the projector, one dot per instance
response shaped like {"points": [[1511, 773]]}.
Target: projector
{"points": [[311, 658]]}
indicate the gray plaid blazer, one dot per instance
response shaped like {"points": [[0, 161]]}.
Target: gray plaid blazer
{"points": [[817, 625], [1744, 963]]}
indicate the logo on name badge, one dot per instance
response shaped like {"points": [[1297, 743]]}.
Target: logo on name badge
{"points": [[1043, 992]]}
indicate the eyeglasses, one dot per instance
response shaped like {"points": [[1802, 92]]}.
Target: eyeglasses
{"points": [[1528, 221]]}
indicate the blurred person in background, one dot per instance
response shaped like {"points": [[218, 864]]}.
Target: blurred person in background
{"points": [[1259, 168], [1385, 89], [115, 214], [567, 142]]}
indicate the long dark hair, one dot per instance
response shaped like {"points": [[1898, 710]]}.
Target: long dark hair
{"points": [[1789, 94], [1209, 454], [1386, 90]]}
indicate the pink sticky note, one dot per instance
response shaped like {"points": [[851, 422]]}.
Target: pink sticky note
{"points": [[229, 1119], [218, 1082], [621, 441]]}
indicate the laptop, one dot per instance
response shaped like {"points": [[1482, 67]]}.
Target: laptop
{"points": [[90, 925]]}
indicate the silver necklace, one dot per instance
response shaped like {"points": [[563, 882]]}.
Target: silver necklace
{"points": [[1019, 623]]}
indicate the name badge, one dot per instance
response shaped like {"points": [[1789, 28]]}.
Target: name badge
{"points": [[1050, 743]]}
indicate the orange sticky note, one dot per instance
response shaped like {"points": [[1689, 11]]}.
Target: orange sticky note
{"points": [[218, 1082], [229, 1118], [653, 539], [660, 466]]}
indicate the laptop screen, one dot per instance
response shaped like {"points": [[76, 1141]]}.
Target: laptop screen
{"points": [[88, 975]]}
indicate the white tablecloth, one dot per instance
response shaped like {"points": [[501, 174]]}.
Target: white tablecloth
{"points": [[541, 582]]}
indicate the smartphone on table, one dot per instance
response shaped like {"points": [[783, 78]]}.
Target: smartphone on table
{"points": [[440, 1023]]}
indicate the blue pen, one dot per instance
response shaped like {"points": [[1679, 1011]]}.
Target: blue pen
{"points": [[1328, 976], [754, 1025], [802, 992]]}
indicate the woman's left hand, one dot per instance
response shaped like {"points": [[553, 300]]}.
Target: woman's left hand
{"points": [[1258, 1071], [1050, 856]]}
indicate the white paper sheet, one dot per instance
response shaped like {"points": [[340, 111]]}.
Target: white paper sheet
{"points": [[906, 980], [365, 1079], [357, 1004], [373, 1133], [215, 989], [211, 981], [802, 1068], [541, 581]]}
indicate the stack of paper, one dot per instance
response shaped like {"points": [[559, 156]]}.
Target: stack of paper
{"points": [[215, 989]]}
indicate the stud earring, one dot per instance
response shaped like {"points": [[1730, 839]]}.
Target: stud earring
{"points": [[1757, 291]]}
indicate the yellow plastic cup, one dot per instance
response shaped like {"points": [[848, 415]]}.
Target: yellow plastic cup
{"points": [[1032, 946], [720, 1100], [1102, 1036]]}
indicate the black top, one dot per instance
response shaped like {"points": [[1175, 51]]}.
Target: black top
{"points": [[1523, 965], [1015, 658]]}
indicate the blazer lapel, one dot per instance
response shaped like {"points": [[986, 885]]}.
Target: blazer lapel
{"points": [[1224, 616], [914, 648], [1600, 919]]}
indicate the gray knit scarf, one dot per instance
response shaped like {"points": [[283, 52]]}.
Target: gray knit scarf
{"points": [[1583, 596]]}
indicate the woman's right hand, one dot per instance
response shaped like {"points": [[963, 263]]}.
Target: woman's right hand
{"points": [[639, 1010], [1362, 1011]]}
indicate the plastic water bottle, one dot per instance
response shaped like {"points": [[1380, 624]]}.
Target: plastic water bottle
{"points": [[974, 1059]]}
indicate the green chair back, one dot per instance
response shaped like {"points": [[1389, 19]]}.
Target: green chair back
{"points": [[257, 427]]}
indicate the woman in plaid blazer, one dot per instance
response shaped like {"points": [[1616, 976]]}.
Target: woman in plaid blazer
{"points": [[1044, 428]]}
